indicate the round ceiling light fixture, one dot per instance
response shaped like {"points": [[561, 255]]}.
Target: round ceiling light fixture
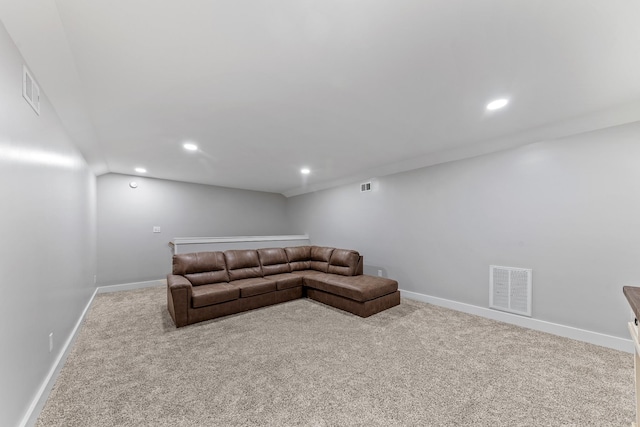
{"points": [[141, 170], [497, 104], [190, 146], [305, 171]]}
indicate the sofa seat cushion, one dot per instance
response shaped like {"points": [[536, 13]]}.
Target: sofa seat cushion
{"points": [[358, 288], [204, 295], [254, 286], [286, 280], [304, 273]]}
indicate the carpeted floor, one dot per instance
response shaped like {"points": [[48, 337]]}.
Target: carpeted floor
{"points": [[305, 364]]}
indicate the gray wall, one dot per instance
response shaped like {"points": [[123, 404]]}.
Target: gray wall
{"points": [[129, 251], [569, 209], [47, 224]]}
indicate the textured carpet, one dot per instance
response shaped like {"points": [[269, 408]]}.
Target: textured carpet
{"points": [[303, 363]]}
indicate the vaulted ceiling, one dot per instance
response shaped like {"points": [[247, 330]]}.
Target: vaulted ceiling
{"points": [[351, 89]]}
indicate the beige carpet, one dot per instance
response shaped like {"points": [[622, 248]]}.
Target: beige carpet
{"points": [[302, 363]]}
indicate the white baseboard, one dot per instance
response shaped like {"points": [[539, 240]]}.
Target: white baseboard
{"points": [[131, 286], [591, 337], [42, 395]]}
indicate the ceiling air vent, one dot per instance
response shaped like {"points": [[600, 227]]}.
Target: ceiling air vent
{"points": [[366, 186], [30, 90], [510, 289]]}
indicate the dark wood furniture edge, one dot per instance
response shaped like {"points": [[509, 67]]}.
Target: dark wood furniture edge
{"points": [[633, 296]]}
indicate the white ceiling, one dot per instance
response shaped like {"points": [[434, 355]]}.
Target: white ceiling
{"points": [[351, 89]]}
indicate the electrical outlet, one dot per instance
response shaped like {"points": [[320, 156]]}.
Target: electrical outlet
{"points": [[156, 228], [95, 279], [380, 273], [50, 342]]}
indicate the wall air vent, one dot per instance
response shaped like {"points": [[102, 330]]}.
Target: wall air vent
{"points": [[30, 90], [510, 289], [366, 186]]}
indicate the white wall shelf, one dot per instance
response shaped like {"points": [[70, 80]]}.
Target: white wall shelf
{"points": [[198, 244]]}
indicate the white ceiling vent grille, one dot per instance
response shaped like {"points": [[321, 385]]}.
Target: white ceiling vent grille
{"points": [[510, 289], [30, 90], [365, 186]]}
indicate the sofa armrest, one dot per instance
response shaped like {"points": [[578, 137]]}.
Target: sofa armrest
{"points": [[178, 298]]}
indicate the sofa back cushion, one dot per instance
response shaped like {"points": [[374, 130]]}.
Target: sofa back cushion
{"points": [[274, 261], [201, 268], [344, 262], [299, 257], [320, 257], [243, 264]]}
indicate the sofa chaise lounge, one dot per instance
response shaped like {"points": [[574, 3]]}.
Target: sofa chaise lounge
{"points": [[207, 285]]}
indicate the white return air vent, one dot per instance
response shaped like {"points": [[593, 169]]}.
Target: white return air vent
{"points": [[365, 186], [30, 90], [510, 289]]}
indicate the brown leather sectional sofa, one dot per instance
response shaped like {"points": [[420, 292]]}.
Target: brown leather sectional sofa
{"points": [[206, 285]]}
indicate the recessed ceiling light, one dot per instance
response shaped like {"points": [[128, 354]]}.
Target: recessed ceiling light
{"points": [[497, 104], [141, 170], [190, 146], [305, 171]]}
